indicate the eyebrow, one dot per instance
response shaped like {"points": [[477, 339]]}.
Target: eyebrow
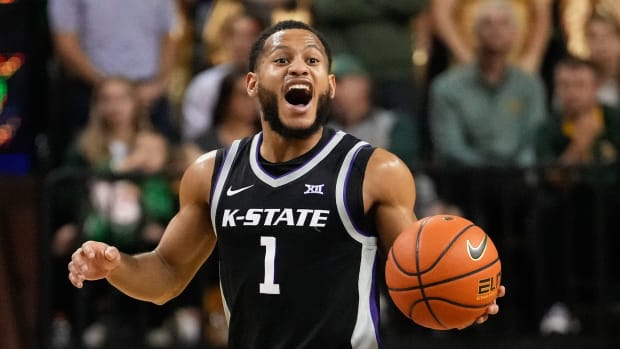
{"points": [[284, 47]]}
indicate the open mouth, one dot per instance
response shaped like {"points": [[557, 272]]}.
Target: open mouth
{"points": [[298, 94]]}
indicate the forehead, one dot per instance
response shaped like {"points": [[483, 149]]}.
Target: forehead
{"points": [[115, 85], [574, 73], [495, 12], [293, 39], [597, 25]]}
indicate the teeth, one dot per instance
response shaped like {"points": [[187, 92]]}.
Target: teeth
{"points": [[299, 87]]}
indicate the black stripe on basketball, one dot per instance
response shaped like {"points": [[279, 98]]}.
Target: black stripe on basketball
{"points": [[394, 257], [469, 306], [443, 253], [419, 276], [399, 289]]}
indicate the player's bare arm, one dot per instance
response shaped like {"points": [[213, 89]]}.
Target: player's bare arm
{"points": [[391, 202], [161, 274], [389, 195]]}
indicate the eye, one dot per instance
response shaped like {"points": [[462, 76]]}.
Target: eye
{"points": [[313, 60], [280, 60]]}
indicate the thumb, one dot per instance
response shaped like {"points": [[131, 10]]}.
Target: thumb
{"points": [[111, 253]]}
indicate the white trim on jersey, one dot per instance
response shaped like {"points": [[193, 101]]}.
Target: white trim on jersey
{"points": [[297, 173], [364, 333], [229, 157], [225, 304]]}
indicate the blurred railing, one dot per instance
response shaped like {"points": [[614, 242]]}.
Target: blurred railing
{"points": [[554, 228]]}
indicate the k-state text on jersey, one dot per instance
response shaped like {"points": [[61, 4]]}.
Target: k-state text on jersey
{"points": [[275, 216]]}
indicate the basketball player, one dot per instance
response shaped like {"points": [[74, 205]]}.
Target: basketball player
{"points": [[298, 212]]}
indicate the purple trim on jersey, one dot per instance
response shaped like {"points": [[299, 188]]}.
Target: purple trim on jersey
{"points": [[256, 155], [346, 185], [374, 307]]}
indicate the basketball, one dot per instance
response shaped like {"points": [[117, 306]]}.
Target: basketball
{"points": [[443, 272]]}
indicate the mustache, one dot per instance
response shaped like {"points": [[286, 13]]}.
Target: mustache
{"points": [[269, 106]]}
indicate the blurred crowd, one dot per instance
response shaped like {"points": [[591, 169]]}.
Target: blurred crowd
{"points": [[469, 91]]}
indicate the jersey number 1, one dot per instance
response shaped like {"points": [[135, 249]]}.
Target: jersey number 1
{"points": [[268, 286]]}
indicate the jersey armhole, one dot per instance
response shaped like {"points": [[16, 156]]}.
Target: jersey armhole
{"points": [[217, 169], [354, 190]]}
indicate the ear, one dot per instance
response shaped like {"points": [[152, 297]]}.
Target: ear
{"points": [[332, 86], [251, 84]]}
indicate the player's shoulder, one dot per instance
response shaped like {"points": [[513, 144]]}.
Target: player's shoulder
{"points": [[197, 177], [383, 163], [387, 178]]}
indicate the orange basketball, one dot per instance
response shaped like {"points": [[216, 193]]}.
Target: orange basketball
{"points": [[443, 272]]}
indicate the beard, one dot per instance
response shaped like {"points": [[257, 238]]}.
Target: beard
{"points": [[269, 106]]}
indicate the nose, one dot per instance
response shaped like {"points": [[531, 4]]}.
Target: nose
{"points": [[298, 67]]}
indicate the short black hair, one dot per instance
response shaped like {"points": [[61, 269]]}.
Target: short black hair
{"points": [[259, 44], [574, 62]]}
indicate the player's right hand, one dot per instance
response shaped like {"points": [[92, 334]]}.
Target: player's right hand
{"points": [[92, 261]]}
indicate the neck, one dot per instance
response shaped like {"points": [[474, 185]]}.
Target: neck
{"points": [[124, 134], [578, 114], [492, 67], [276, 148]]}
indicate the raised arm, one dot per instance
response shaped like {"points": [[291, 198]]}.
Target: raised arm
{"points": [[163, 273], [446, 29], [537, 42]]}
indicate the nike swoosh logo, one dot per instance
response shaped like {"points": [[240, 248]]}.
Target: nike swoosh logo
{"points": [[476, 252], [231, 192]]}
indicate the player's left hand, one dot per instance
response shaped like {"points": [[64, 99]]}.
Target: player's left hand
{"points": [[493, 308]]}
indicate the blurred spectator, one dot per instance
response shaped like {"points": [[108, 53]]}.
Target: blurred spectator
{"points": [[131, 212], [578, 208], [235, 114], [96, 39], [217, 51], [354, 111], [119, 139], [202, 93], [485, 113], [603, 41], [379, 34], [582, 130], [453, 21]]}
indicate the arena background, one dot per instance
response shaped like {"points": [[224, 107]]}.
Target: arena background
{"points": [[26, 77]]}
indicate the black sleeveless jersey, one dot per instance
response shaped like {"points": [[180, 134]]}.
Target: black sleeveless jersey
{"points": [[297, 256]]}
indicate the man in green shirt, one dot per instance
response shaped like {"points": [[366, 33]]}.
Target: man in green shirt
{"points": [[486, 113]]}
